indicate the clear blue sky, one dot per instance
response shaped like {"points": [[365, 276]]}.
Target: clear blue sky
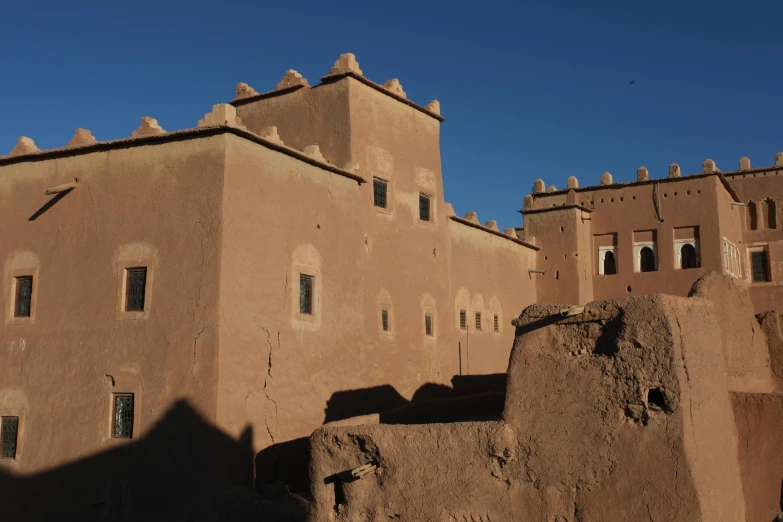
{"points": [[529, 89]]}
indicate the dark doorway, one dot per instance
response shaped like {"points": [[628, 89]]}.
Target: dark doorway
{"points": [[610, 264]]}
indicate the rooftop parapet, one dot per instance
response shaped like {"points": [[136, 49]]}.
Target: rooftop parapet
{"points": [[314, 151], [538, 186], [744, 163], [642, 174], [510, 232], [291, 79], [450, 210], [149, 127], [245, 91], [472, 217], [779, 159], [270, 133], [25, 145], [709, 166], [81, 137], [346, 63], [492, 225], [674, 171], [551, 188], [606, 179], [572, 182], [394, 86], [529, 202], [433, 106], [222, 114]]}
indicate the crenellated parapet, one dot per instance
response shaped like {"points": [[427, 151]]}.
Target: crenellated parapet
{"points": [[81, 137], [222, 114], [149, 127], [290, 80]]}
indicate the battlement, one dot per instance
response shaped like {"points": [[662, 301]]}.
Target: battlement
{"points": [[222, 119], [345, 66], [642, 177]]}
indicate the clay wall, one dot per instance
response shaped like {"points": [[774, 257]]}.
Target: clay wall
{"points": [[156, 205], [625, 214], [762, 191], [488, 275], [759, 421], [639, 392], [307, 116], [561, 233]]}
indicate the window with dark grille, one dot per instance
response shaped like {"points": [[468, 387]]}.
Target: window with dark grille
{"points": [[10, 429], [305, 294], [24, 296], [647, 259], [135, 288], [385, 320], [379, 187], [758, 261], [497, 326], [478, 320], [463, 320], [123, 416], [424, 207], [428, 324], [687, 256]]}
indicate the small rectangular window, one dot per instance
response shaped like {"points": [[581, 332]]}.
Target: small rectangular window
{"points": [[123, 416], [427, 324], [424, 207], [305, 294], [478, 321], [24, 296], [379, 187], [463, 321], [135, 288], [9, 429], [495, 321], [759, 266], [385, 320]]}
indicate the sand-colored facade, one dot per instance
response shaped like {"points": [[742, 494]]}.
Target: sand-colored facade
{"points": [[228, 216], [710, 211]]}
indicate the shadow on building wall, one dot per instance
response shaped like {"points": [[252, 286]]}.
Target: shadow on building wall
{"points": [[182, 469], [469, 398], [186, 469]]}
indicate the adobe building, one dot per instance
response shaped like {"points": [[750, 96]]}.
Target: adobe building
{"points": [[294, 250]]}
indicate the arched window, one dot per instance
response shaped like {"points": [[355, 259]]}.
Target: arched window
{"points": [[647, 259], [610, 265], [752, 218], [687, 256]]}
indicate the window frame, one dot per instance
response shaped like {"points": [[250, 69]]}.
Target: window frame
{"points": [[385, 183], [767, 264], [128, 295], [637, 251], [678, 244], [16, 437], [311, 297], [123, 276], [114, 399], [429, 322], [17, 297], [477, 324], [463, 319], [496, 323], [602, 254], [13, 291], [428, 197]]}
